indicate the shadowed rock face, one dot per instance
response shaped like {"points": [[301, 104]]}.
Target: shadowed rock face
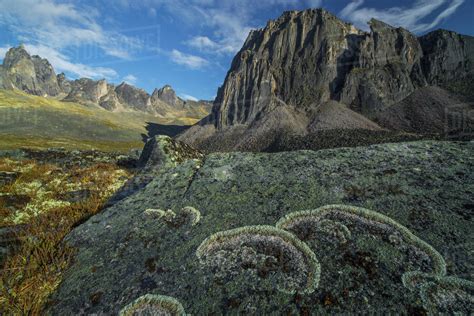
{"points": [[168, 95], [306, 58]]}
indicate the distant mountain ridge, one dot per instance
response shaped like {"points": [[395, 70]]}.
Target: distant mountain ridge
{"points": [[35, 75]]}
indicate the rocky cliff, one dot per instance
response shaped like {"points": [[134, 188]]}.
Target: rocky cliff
{"points": [[306, 58], [35, 75], [31, 74]]}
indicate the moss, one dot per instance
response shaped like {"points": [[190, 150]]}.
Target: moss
{"points": [[291, 220], [266, 240], [151, 304]]}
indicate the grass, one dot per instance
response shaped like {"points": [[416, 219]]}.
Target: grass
{"points": [[9, 141], [35, 270], [39, 122]]}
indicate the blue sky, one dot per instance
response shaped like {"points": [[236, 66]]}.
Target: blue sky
{"points": [[188, 44]]}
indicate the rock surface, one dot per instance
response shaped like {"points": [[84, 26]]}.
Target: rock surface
{"points": [[123, 253], [306, 58], [160, 152]]}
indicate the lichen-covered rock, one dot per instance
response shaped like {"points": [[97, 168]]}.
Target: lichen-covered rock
{"points": [[153, 305], [264, 250], [160, 153], [425, 186], [164, 152], [448, 296], [186, 216], [419, 254]]}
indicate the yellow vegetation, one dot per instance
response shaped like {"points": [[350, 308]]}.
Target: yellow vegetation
{"points": [[33, 273]]}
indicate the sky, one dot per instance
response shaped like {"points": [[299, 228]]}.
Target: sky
{"points": [[188, 44]]}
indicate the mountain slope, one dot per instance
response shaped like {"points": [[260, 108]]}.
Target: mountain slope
{"points": [[429, 110], [33, 121], [306, 58]]}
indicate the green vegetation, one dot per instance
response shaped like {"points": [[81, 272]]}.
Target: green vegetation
{"points": [[38, 122], [39, 200], [150, 304]]}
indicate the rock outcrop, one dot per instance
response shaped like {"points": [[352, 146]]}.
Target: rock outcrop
{"points": [[31, 74], [168, 95], [129, 250], [306, 58]]}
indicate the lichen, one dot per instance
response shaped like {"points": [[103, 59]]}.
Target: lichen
{"points": [[292, 221], [441, 294], [448, 295], [257, 248], [187, 215], [193, 214], [151, 304]]}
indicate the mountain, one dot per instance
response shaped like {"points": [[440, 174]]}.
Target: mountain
{"points": [[287, 70], [31, 74], [427, 110], [35, 75]]}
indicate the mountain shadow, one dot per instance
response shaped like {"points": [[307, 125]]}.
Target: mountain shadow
{"points": [[154, 129]]}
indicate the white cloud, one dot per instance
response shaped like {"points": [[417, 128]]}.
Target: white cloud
{"points": [[62, 25], [188, 97], [130, 79], [190, 61], [202, 43], [407, 17], [61, 63], [229, 20], [3, 51]]}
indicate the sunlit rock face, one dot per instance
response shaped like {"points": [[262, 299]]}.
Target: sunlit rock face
{"points": [[31, 74], [286, 71]]}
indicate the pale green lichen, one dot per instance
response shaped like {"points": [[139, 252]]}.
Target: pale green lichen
{"points": [[187, 214], [304, 262], [193, 214], [154, 213], [368, 217], [448, 295], [151, 304]]}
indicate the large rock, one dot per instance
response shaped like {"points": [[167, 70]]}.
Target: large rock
{"points": [[447, 56], [160, 153], [133, 249], [86, 90]]}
